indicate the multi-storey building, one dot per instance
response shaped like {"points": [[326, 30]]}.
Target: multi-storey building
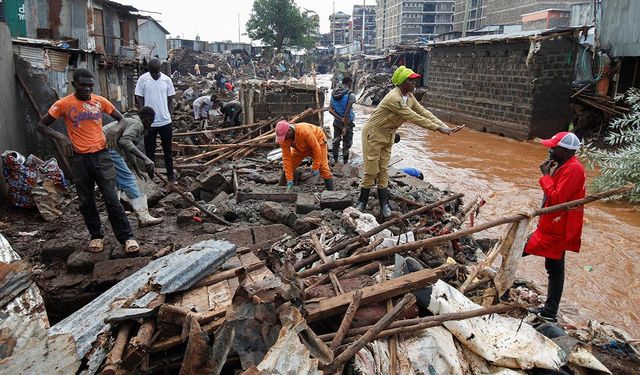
{"points": [[340, 27], [400, 21], [474, 14], [368, 13]]}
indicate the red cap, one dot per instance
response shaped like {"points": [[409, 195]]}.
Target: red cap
{"points": [[281, 130], [567, 140], [415, 75]]}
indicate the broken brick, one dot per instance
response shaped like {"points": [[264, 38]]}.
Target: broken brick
{"points": [[335, 200], [211, 180], [305, 203], [110, 272], [239, 237], [268, 232], [273, 212], [82, 261]]}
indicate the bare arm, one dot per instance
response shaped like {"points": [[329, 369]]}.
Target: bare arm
{"points": [[114, 134], [139, 101], [170, 105], [45, 129], [345, 119]]}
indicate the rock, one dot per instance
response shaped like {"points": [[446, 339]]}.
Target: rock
{"points": [[305, 224], [110, 272], [240, 237], [205, 195], [270, 232], [210, 228], [82, 261], [175, 200], [59, 248], [290, 220], [225, 210], [221, 197], [305, 203], [185, 216], [211, 180], [273, 212], [335, 200]]}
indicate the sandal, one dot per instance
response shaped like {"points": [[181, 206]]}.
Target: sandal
{"points": [[96, 245], [131, 246]]}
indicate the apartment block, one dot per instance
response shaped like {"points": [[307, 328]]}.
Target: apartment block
{"points": [[474, 14], [400, 21], [368, 14], [340, 27]]}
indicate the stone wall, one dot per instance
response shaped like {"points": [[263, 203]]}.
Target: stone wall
{"points": [[491, 88]]}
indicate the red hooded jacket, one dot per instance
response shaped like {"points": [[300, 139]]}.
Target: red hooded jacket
{"points": [[560, 231]]}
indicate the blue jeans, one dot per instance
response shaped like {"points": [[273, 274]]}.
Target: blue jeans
{"points": [[125, 179]]}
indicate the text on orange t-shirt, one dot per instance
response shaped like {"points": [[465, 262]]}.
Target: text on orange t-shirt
{"points": [[84, 121]]}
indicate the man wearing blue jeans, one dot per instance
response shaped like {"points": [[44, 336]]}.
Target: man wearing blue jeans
{"points": [[132, 133]]}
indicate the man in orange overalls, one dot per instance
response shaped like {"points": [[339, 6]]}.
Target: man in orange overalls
{"points": [[299, 141]]}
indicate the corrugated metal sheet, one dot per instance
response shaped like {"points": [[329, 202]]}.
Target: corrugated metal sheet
{"points": [[34, 55], [151, 35], [58, 60], [173, 273], [23, 319], [620, 27]]}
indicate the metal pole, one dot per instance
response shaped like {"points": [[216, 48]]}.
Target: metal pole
{"points": [[333, 24], [364, 3]]}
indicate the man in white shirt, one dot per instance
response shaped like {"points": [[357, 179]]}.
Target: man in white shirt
{"points": [[155, 89]]}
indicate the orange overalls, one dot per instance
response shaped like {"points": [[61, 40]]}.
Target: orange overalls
{"points": [[309, 140]]}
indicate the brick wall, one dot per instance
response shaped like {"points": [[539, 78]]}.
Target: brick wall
{"points": [[490, 88]]}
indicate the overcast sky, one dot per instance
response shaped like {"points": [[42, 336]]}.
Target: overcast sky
{"points": [[218, 20]]}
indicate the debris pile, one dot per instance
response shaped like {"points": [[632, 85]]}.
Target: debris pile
{"points": [[272, 281]]}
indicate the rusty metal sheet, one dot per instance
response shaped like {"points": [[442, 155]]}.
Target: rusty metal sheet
{"points": [[173, 273], [23, 320]]}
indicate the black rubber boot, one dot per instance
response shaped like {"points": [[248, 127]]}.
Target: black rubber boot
{"points": [[328, 184], [336, 154], [361, 204], [345, 159], [383, 197]]}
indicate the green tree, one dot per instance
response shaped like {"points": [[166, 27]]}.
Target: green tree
{"points": [[280, 23], [619, 162]]}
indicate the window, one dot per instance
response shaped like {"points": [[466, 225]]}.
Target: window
{"points": [[427, 29], [429, 18], [429, 7]]}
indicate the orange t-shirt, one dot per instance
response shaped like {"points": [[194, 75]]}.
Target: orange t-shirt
{"points": [[84, 121]]}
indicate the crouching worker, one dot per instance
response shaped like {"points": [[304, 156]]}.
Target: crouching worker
{"points": [[133, 132], [299, 141], [201, 107], [91, 163]]}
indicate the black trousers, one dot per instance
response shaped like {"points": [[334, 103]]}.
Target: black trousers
{"points": [[555, 273], [346, 139], [89, 170], [234, 118], [166, 137]]}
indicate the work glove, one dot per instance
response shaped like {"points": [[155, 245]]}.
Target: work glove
{"points": [[289, 185], [314, 173]]}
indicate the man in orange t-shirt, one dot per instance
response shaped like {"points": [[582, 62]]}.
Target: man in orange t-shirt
{"points": [[90, 161]]}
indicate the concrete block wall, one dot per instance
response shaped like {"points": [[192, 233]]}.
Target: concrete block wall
{"points": [[285, 103], [489, 87]]}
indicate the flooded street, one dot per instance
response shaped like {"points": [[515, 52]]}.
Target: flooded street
{"points": [[602, 281]]}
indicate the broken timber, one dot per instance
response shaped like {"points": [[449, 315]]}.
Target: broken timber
{"points": [[461, 233], [375, 293]]}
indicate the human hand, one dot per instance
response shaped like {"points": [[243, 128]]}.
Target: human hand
{"points": [[66, 145], [546, 166], [289, 186], [345, 121], [457, 128], [149, 166], [444, 130]]}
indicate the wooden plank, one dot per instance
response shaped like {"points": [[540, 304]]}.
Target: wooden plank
{"points": [[220, 295], [273, 197], [197, 297], [375, 293]]}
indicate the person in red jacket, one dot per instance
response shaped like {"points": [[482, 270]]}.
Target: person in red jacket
{"points": [[563, 180]]}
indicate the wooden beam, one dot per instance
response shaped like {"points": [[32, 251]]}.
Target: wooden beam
{"points": [[375, 293]]}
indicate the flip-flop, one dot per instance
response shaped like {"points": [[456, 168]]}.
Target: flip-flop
{"points": [[96, 245], [131, 246]]}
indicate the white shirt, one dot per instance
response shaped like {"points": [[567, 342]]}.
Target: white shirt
{"points": [[155, 95]]}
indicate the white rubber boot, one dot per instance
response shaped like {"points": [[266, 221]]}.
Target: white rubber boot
{"points": [[142, 211]]}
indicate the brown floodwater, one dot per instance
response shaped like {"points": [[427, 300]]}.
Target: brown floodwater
{"points": [[602, 281]]}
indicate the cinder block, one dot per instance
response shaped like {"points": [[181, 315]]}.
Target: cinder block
{"points": [[305, 203]]}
